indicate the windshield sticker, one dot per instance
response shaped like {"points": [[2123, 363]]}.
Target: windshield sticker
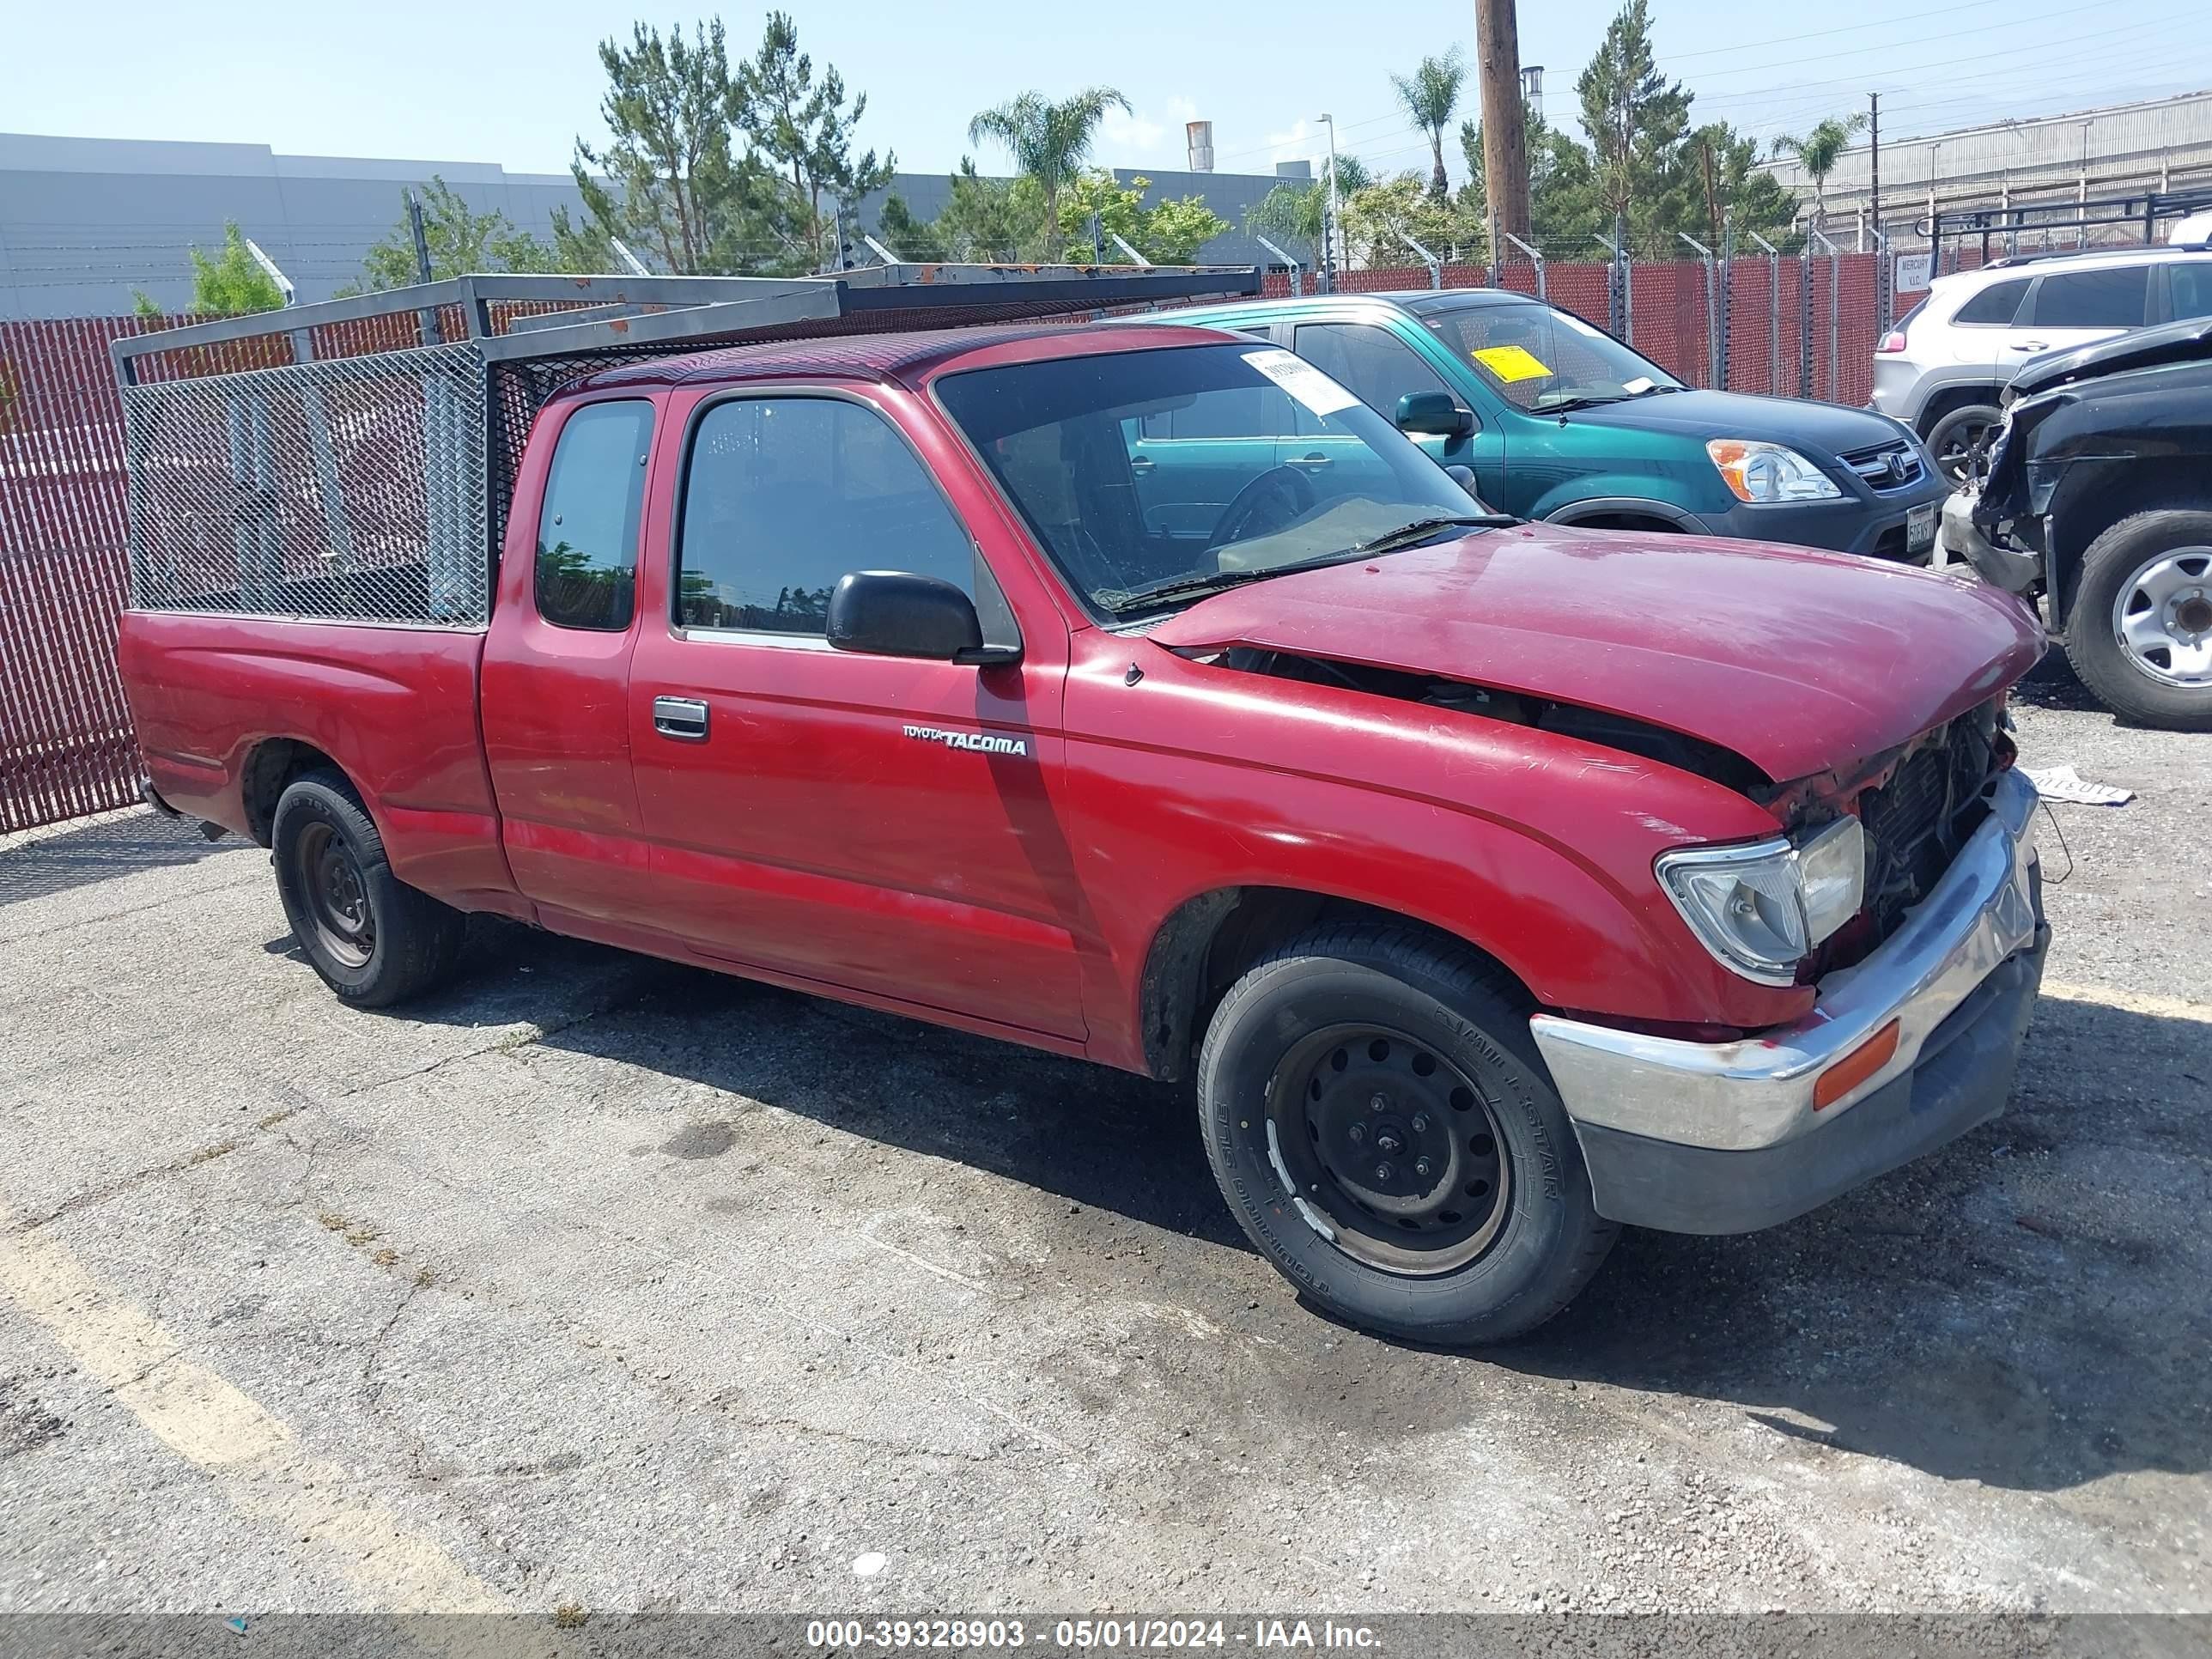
{"points": [[1512, 362], [1301, 380], [1639, 386], [1578, 324]]}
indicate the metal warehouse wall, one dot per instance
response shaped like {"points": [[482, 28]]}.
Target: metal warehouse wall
{"points": [[86, 223]]}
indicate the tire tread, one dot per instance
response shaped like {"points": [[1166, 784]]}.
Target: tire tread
{"points": [[1463, 981], [419, 938], [2096, 656]]}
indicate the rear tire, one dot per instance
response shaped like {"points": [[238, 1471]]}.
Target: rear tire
{"points": [[375, 940], [2140, 631], [1961, 442], [1468, 1217]]}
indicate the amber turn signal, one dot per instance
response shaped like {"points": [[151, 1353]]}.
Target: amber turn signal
{"points": [[1855, 1068]]}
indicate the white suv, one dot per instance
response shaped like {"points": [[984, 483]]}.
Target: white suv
{"points": [[1943, 367]]}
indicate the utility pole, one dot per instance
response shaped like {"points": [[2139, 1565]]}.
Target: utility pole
{"points": [[1504, 135], [1874, 164], [1329, 232], [1712, 201], [426, 320]]}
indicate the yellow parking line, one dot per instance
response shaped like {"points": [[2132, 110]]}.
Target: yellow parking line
{"points": [[253, 1457], [2133, 1002]]}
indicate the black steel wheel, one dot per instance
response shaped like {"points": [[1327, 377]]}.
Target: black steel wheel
{"points": [[330, 878], [375, 940], [1396, 1147], [1379, 1120]]}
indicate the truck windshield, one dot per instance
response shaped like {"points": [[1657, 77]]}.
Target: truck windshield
{"points": [[1542, 359], [1153, 476]]}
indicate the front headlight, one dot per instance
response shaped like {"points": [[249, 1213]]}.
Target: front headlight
{"points": [[1758, 471], [1761, 908]]}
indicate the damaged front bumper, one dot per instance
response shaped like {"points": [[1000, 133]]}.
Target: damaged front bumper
{"points": [[1726, 1137], [1961, 541]]}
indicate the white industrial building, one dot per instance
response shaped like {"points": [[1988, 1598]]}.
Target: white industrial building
{"points": [[2160, 144]]}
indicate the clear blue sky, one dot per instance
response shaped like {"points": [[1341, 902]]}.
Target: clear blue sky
{"points": [[515, 84]]}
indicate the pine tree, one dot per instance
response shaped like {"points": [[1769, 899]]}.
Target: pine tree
{"points": [[1638, 121], [677, 186], [461, 241]]}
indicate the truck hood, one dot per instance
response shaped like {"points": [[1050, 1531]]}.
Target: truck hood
{"points": [[1817, 428], [1800, 661]]}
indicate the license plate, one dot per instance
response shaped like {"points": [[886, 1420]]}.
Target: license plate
{"points": [[1920, 529]]}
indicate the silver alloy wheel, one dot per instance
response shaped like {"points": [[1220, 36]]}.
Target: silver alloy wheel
{"points": [[2162, 617], [1965, 457]]}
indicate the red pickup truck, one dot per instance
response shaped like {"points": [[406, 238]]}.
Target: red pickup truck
{"points": [[1136, 693]]}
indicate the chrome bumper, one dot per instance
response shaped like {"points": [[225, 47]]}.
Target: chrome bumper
{"points": [[1757, 1092]]}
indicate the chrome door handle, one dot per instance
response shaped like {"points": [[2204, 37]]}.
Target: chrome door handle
{"points": [[1311, 463], [682, 718], [1141, 464]]}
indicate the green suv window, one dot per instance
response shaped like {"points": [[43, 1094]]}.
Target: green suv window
{"points": [[1540, 359]]}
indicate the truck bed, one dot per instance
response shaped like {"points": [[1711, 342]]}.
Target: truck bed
{"points": [[210, 692]]}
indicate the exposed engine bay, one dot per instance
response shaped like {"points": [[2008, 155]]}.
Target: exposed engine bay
{"points": [[1630, 737]]}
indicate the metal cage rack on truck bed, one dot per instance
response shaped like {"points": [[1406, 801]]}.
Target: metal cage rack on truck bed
{"points": [[354, 460]]}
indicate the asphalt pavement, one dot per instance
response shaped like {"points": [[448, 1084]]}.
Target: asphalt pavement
{"points": [[596, 1285]]}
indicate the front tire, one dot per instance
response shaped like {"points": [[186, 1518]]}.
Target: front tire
{"points": [[1961, 442], [375, 940], [1380, 1123], [2140, 630]]}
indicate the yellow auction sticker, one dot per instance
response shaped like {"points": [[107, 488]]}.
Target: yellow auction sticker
{"points": [[1511, 363]]}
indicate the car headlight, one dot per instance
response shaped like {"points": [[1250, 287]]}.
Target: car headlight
{"points": [[1759, 472], [1761, 908]]}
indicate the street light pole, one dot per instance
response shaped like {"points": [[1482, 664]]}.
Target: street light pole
{"points": [[1330, 230]]}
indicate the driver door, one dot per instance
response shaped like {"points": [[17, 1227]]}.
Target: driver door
{"points": [[880, 825]]}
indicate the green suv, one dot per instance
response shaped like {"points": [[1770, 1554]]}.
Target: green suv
{"points": [[1558, 420]]}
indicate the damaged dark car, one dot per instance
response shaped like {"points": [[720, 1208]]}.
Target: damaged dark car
{"points": [[2099, 503]]}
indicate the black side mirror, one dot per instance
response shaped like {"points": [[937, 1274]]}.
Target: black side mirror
{"points": [[1436, 413], [894, 613], [1463, 476]]}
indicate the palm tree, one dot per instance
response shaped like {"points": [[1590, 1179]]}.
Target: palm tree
{"points": [[1430, 96], [1300, 212], [1818, 152], [1049, 142]]}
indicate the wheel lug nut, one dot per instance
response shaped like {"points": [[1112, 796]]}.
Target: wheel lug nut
{"points": [[1381, 1172], [1421, 1123], [1358, 1132], [1421, 1168], [1377, 1103]]}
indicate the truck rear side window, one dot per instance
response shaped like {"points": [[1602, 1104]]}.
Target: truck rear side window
{"points": [[784, 495], [586, 569]]}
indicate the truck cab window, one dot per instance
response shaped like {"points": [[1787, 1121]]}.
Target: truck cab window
{"points": [[587, 566], [784, 495]]}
